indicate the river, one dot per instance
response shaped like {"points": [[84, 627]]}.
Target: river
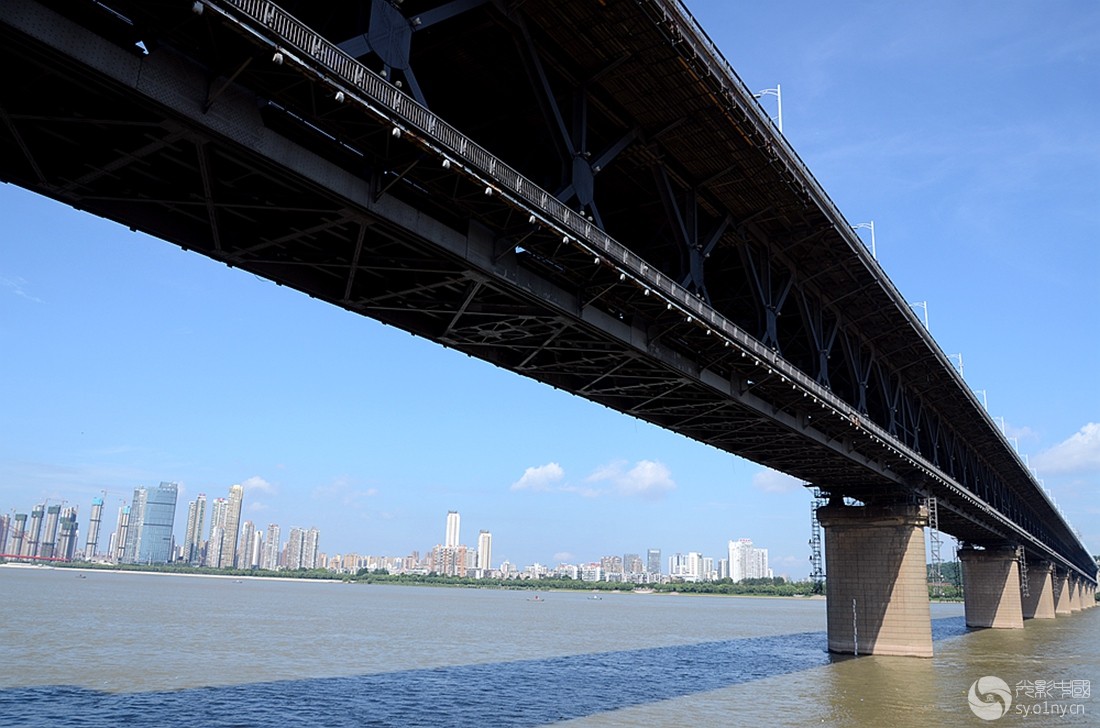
{"points": [[109, 648]]}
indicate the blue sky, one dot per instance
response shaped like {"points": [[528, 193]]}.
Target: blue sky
{"points": [[969, 133]]}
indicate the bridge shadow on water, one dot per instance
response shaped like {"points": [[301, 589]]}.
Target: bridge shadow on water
{"points": [[520, 693]]}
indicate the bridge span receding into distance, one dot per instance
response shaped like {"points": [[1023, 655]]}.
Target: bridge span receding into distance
{"points": [[582, 193]]}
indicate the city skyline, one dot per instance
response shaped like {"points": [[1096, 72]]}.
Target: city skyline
{"points": [[134, 362], [300, 550]]}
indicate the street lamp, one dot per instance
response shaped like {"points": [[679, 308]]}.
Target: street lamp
{"points": [[960, 356], [923, 305], [778, 94], [868, 226], [985, 401]]}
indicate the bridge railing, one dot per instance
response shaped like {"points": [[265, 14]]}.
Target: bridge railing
{"points": [[389, 103]]}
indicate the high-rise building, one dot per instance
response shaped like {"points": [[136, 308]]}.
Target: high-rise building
{"points": [[152, 518], [5, 528], [292, 558], [311, 553], [48, 543], [256, 554], [653, 561], [451, 541], [34, 532], [66, 535], [231, 527], [192, 539], [632, 564], [118, 538], [485, 552], [18, 535], [271, 548], [134, 527], [746, 561], [244, 547], [94, 521]]}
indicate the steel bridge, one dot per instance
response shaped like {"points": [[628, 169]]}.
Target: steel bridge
{"points": [[584, 193]]}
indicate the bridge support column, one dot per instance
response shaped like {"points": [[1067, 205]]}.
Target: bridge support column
{"points": [[1074, 587], [1039, 603], [877, 585], [1061, 593], [991, 588]]}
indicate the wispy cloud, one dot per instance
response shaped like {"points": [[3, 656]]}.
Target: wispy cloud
{"points": [[540, 478], [1077, 455], [771, 481], [18, 286]]}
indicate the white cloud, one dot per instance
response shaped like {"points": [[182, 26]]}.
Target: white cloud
{"points": [[540, 478], [1077, 455], [257, 506], [647, 479], [18, 287], [563, 557], [256, 483], [772, 481]]}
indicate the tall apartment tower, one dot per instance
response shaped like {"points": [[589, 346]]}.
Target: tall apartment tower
{"points": [[451, 541], [311, 548], [256, 554], [293, 557], [270, 560], [94, 521], [134, 526], [192, 539], [18, 534], [231, 527], [244, 547], [485, 551], [5, 528], [47, 546], [118, 538], [218, 509], [66, 535], [34, 532]]}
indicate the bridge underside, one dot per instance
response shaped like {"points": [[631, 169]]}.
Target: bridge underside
{"points": [[207, 143]]}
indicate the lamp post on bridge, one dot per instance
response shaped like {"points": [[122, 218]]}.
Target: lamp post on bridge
{"points": [[960, 357], [985, 401], [869, 226], [916, 304], [778, 94]]}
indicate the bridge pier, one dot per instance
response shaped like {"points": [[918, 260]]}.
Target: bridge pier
{"points": [[1061, 593], [1039, 602], [991, 588], [877, 588], [1074, 594]]}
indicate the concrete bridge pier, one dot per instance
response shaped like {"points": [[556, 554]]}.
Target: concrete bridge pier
{"points": [[1039, 602], [1074, 594], [991, 587], [1061, 593], [877, 588]]}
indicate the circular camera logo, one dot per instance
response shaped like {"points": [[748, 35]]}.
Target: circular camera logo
{"points": [[989, 697]]}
